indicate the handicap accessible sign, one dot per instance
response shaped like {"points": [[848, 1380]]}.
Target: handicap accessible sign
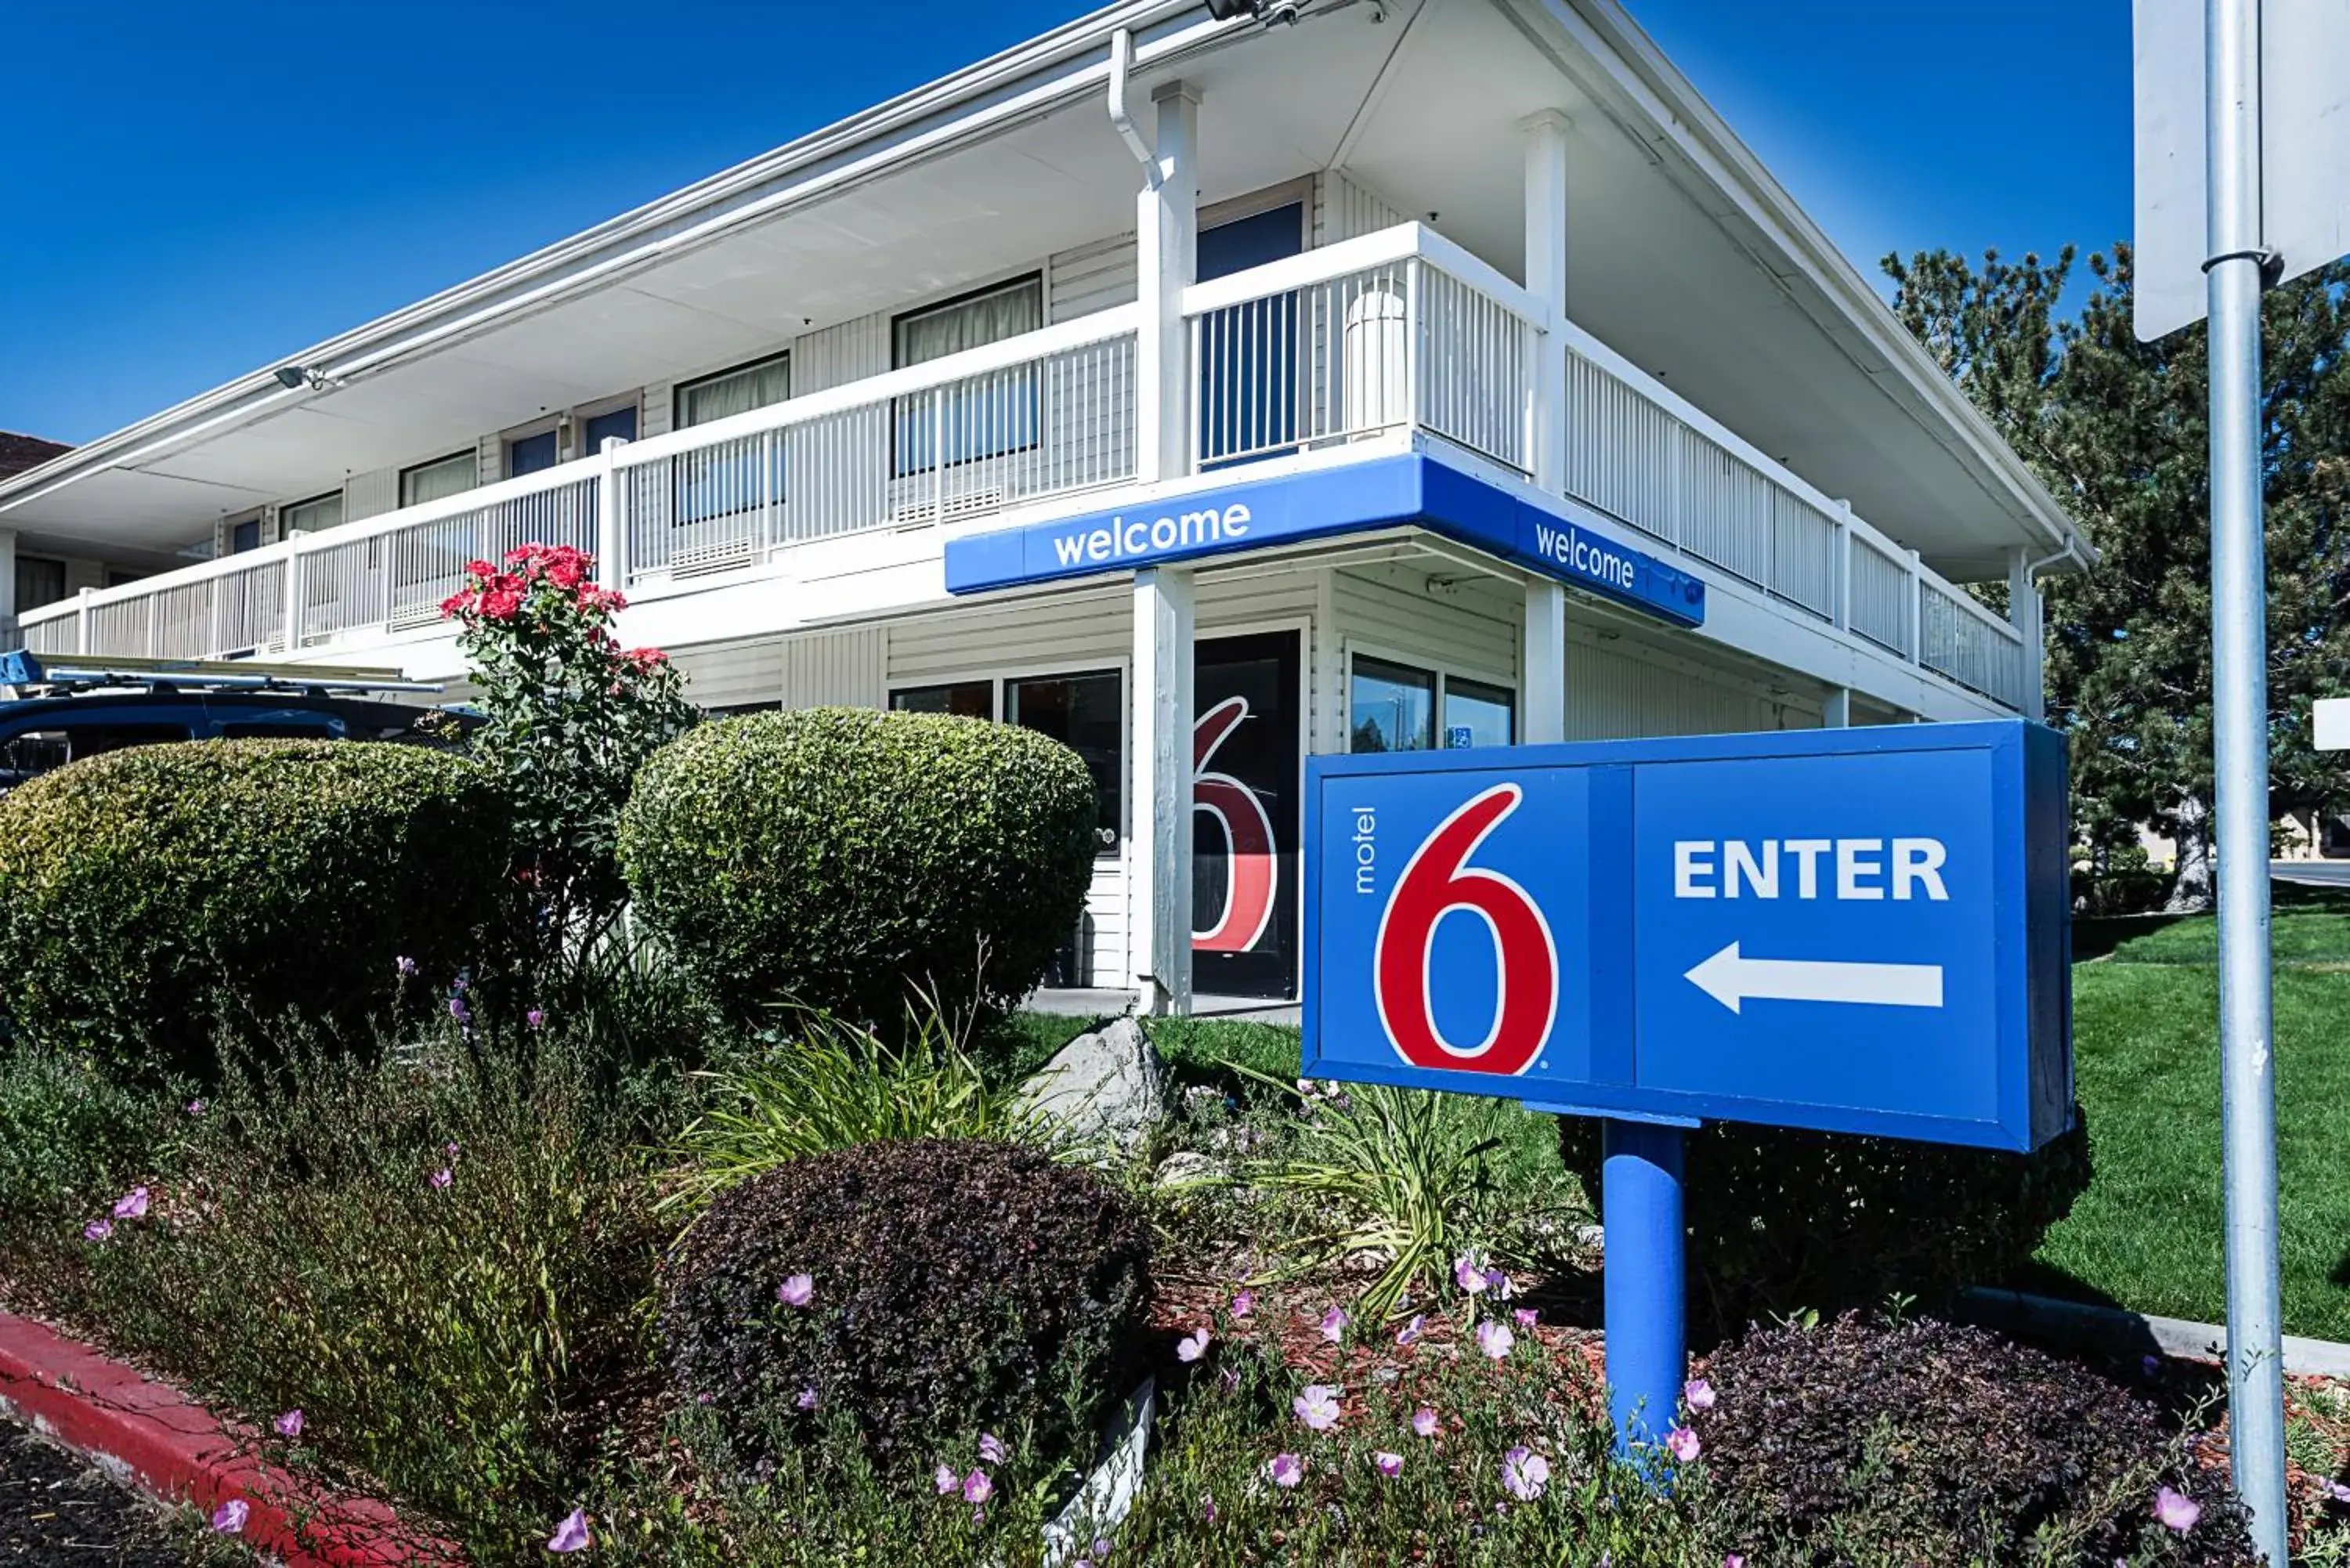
{"points": [[1855, 930]]}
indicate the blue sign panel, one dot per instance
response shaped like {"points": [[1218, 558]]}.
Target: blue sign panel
{"points": [[1856, 931], [1544, 533]]}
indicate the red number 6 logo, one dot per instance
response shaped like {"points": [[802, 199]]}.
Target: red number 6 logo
{"points": [[1437, 881]]}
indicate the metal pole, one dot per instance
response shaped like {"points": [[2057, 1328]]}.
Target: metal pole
{"points": [[2240, 732], [1642, 1284]]}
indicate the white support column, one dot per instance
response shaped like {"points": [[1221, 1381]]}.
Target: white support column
{"points": [[1545, 135], [1542, 660], [7, 590], [1159, 941], [1166, 224], [611, 532], [2025, 613], [1835, 712]]}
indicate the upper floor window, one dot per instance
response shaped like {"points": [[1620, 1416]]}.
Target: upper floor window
{"points": [[315, 516], [243, 537], [528, 454], [436, 480], [38, 582], [726, 480], [613, 424], [735, 391], [986, 416]]}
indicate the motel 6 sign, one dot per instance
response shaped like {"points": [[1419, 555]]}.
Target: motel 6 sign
{"points": [[1855, 930]]}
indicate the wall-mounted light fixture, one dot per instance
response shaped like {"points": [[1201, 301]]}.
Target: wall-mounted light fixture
{"points": [[294, 378]]}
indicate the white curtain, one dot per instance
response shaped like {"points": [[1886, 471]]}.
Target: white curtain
{"points": [[438, 480], [735, 392], [313, 516], [971, 323]]}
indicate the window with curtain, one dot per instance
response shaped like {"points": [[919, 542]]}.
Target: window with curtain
{"points": [[721, 480], [986, 416], [438, 480], [38, 582], [315, 516]]}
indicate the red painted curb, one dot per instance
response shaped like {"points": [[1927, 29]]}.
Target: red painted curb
{"points": [[158, 1439]]}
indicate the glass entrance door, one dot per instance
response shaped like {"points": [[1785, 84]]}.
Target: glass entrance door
{"points": [[1247, 752]]}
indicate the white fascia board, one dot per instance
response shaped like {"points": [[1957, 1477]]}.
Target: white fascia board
{"points": [[1019, 83], [1656, 106]]}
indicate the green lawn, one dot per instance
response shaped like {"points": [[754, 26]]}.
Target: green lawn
{"points": [[2147, 1232]]}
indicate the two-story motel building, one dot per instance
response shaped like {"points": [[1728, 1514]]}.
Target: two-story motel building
{"points": [[1204, 392]]}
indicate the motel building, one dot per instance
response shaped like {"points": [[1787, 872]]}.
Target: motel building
{"points": [[1207, 393]]}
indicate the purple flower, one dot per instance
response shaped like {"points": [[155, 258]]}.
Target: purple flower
{"points": [[2150, 1365], [1734, 1560], [1286, 1469], [457, 1010], [439, 1179], [571, 1536], [535, 1018], [98, 1230], [405, 965], [2177, 1510], [1208, 1511], [289, 1425], [132, 1207], [1243, 1304], [1423, 1421], [229, 1518], [1101, 1547], [1468, 1275], [1699, 1393], [195, 1107], [1192, 1346], [977, 1488], [1317, 1407], [807, 1400], [1495, 1338], [1498, 1283], [2338, 1492], [1410, 1331], [1683, 1443], [1525, 1473], [1229, 1378], [1387, 1464], [1334, 1325], [945, 1479], [991, 1448], [796, 1292], [1525, 1317], [450, 1150]]}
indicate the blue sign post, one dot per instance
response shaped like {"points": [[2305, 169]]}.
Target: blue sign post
{"points": [[1854, 930]]}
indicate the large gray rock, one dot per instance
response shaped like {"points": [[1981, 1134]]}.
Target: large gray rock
{"points": [[1105, 1087]]}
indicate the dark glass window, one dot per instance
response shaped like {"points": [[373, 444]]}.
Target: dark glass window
{"points": [[1087, 715], [963, 699], [532, 453], [1393, 707], [1477, 713], [244, 535], [38, 582]]}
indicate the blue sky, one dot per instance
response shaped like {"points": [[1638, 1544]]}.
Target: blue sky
{"points": [[195, 190]]}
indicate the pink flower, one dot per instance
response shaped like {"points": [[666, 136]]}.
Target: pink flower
{"points": [[1243, 1304], [132, 1207], [796, 1292], [945, 1479], [535, 1018], [289, 1425], [2177, 1510], [98, 1230], [1498, 1283], [1495, 1339], [405, 965], [1699, 1393], [1317, 1407], [1410, 1331], [1525, 1317], [808, 1399], [1286, 1469], [1525, 1473], [440, 1179], [229, 1518], [1192, 1346], [571, 1536], [1334, 1325], [1389, 1465], [977, 1488], [1423, 1421], [990, 1448], [1683, 1443], [195, 1107], [1468, 1276], [1734, 1560]]}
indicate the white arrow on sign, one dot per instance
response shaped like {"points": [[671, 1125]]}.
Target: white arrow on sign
{"points": [[1731, 979]]}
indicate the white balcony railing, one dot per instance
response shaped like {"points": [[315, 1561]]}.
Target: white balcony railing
{"points": [[1397, 332]]}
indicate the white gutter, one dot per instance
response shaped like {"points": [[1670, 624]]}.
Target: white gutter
{"points": [[1060, 67]]}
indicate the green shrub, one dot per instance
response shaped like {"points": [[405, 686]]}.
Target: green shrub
{"points": [[149, 895], [955, 1286], [1781, 1220], [846, 860], [1926, 1442], [69, 1133]]}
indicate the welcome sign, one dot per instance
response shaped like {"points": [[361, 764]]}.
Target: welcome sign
{"points": [[1541, 533]]}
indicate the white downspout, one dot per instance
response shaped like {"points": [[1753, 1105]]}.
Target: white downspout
{"points": [[1122, 69]]}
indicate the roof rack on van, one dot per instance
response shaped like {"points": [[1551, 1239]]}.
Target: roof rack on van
{"points": [[87, 671]]}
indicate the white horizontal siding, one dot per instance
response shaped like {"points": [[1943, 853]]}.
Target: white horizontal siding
{"points": [[1617, 688], [1098, 276], [835, 668], [656, 410], [1464, 636], [839, 355], [732, 676]]}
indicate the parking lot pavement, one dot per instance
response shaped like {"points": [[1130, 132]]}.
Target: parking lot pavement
{"points": [[55, 1509]]}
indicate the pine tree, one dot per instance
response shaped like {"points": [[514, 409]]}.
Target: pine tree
{"points": [[2117, 430]]}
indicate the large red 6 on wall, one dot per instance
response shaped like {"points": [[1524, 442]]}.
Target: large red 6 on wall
{"points": [[1437, 881]]}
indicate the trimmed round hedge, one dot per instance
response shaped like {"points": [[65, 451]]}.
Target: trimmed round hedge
{"points": [[152, 894], [950, 1285], [846, 859], [1782, 1219]]}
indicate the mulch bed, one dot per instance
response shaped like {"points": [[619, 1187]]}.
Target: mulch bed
{"points": [[57, 1508]]}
